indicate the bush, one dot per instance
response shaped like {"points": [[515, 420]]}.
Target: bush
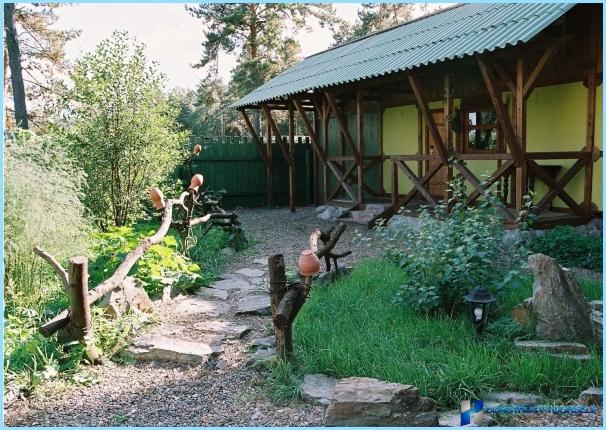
{"points": [[570, 248], [448, 254]]}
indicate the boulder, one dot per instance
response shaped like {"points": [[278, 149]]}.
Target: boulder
{"points": [[318, 388], [128, 297], [254, 305], [369, 402], [559, 306], [591, 396]]}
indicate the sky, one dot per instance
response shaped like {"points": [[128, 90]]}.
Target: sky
{"points": [[172, 36]]}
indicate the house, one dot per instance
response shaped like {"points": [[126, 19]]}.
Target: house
{"points": [[508, 96]]}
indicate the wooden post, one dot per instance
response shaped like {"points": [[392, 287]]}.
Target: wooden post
{"points": [[291, 151], [325, 119], [316, 199], [277, 289], [590, 137], [520, 123], [448, 136], [270, 181], [394, 185], [360, 143]]}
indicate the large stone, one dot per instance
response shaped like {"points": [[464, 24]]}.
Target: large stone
{"points": [[591, 396], [370, 402], [559, 349], [212, 293], [318, 388], [559, 306], [250, 273], [229, 329], [326, 215], [254, 305], [513, 398], [597, 319], [168, 348], [200, 306], [263, 342], [128, 297], [232, 283]]}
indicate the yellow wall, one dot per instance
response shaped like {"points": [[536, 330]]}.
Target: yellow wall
{"points": [[556, 122]]}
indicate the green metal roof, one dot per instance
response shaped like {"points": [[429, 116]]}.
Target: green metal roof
{"points": [[456, 32]]}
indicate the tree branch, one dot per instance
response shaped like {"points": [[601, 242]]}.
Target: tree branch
{"points": [[61, 272]]}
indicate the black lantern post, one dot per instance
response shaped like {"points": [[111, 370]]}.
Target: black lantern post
{"points": [[480, 301]]}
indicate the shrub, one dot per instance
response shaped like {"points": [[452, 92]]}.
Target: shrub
{"points": [[570, 248], [448, 253]]}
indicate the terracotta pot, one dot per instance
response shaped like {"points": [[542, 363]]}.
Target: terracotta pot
{"points": [[197, 149], [157, 197], [309, 263], [196, 181]]}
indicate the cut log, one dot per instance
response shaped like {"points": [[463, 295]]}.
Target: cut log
{"points": [[277, 289]]}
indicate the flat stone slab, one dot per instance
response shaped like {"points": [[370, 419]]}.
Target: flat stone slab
{"points": [[597, 305], [200, 306], [571, 348], [231, 284], [261, 356], [254, 305], [318, 388], [592, 396], [169, 348], [261, 261], [250, 273], [212, 293], [230, 329], [513, 398], [263, 342]]}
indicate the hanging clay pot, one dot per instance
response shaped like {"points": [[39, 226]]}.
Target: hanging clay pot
{"points": [[197, 149], [309, 263], [196, 181], [157, 197]]}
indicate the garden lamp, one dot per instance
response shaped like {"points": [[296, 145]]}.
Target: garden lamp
{"points": [[481, 301]]}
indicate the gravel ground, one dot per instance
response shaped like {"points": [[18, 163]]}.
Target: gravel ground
{"points": [[553, 420]]}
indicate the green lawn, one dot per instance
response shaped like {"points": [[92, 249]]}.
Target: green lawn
{"points": [[354, 328]]}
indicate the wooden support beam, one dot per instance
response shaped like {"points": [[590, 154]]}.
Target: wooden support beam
{"points": [[315, 144], [395, 197], [415, 181], [346, 174], [589, 138], [501, 112], [503, 169], [270, 178], [343, 126], [520, 121], [337, 172], [431, 124], [543, 61], [504, 75], [273, 128], [255, 137], [360, 143], [448, 108], [292, 189], [431, 171]]}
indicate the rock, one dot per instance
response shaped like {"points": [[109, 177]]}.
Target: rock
{"points": [[597, 320], [398, 221], [250, 273], [321, 209], [165, 348], [227, 252], [261, 356], [326, 215], [261, 261], [559, 306], [597, 305], [229, 284], [370, 402], [227, 328], [337, 213], [318, 388], [212, 293], [560, 349], [450, 418], [200, 306], [513, 398], [522, 312], [263, 342], [254, 305], [591, 396], [169, 293], [128, 297]]}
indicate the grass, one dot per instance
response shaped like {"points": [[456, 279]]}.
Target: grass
{"points": [[354, 328]]}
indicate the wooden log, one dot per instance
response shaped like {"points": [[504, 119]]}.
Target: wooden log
{"points": [[277, 290], [283, 317]]}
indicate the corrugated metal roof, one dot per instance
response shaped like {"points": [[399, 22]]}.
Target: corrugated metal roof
{"points": [[459, 31]]}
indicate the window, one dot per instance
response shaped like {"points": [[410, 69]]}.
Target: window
{"points": [[481, 132]]}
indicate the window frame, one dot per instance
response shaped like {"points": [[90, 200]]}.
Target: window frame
{"points": [[479, 105]]}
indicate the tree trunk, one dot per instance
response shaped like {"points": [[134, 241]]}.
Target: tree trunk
{"points": [[277, 288], [14, 59]]}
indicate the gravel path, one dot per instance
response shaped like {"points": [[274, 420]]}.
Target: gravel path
{"points": [[222, 392]]}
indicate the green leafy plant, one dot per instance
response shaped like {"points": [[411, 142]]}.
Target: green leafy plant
{"points": [[570, 248], [449, 252]]}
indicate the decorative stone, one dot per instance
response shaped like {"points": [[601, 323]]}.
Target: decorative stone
{"points": [[318, 388], [513, 398], [591, 396], [263, 342], [560, 349], [250, 273], [230, 329], [254, 305], [165, 348], [212, 293], [233, 283], [200, 306], [369, 402], [559, 306], [128, 297]]}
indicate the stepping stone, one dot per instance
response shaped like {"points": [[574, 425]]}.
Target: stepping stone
{"points": [[263, 342], [575, 350], [199, 306], [258, 282], [591, 396], [318, 388], [231, 284], [250, 273], [261, 356], [254, 305], [212, 293], [597, 305], [230, 329], [169, 348], [513, 398], [261, 261], [166, 330]]}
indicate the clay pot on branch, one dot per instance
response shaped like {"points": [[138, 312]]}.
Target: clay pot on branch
{"points": [[157, 197], [309, 263], [196, 181], [197, 149]]}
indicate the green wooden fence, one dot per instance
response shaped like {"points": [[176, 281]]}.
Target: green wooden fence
{"points": [[233, 164]]}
